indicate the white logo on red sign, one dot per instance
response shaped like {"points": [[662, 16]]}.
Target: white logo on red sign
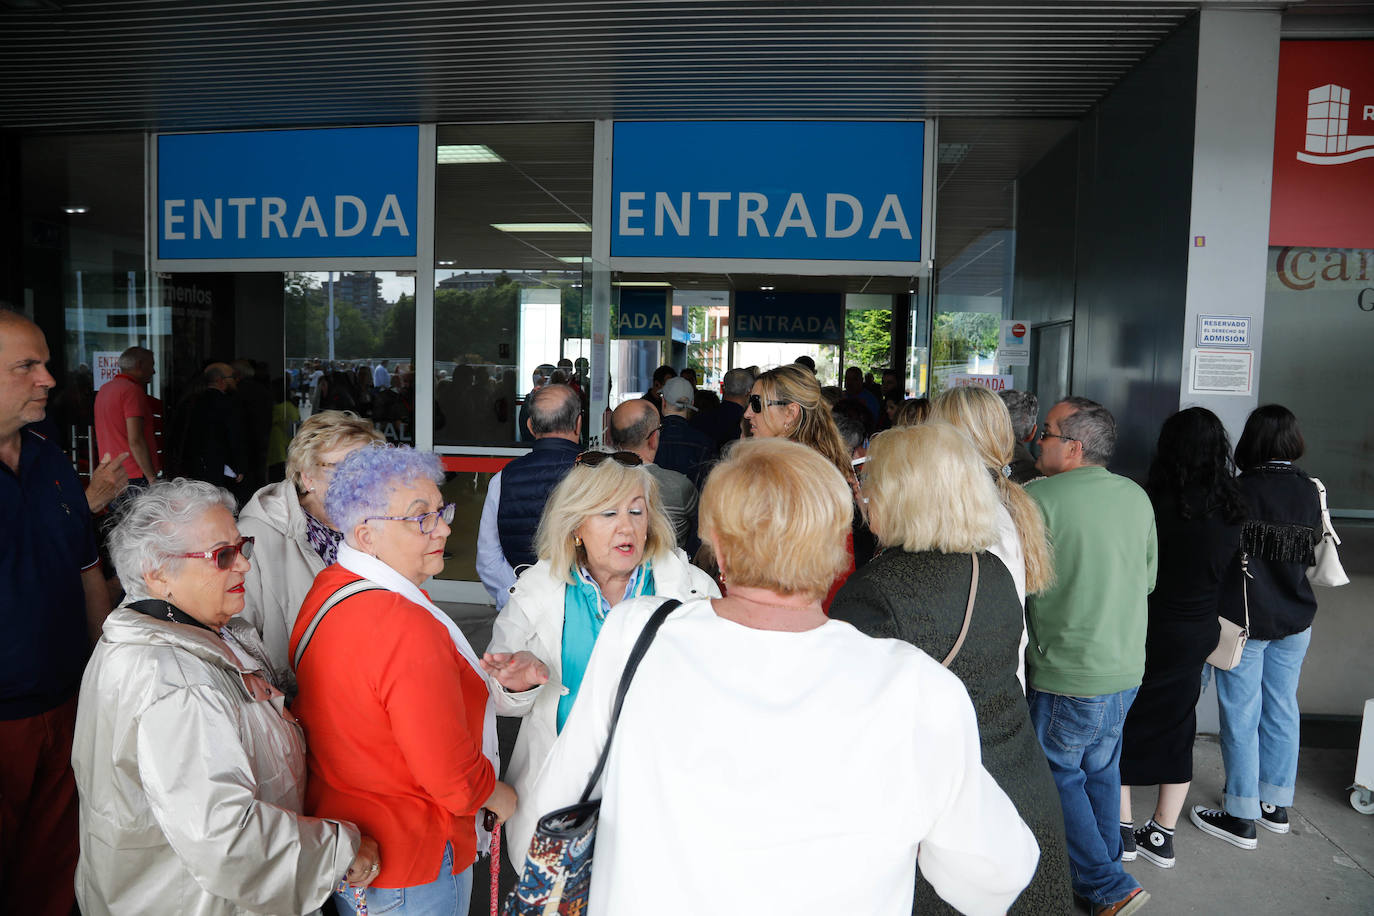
{"points": [[1329, 141]]}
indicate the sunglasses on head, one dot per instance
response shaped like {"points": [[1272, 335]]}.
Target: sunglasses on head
{"points": [[225, 556], [591, 459], [756, 403]]}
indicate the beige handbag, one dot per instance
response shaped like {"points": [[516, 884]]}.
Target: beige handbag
{"points": [[1326, 569], [1231, 646]]}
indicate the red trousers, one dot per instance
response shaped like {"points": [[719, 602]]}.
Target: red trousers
{"points": [[38, 821]]}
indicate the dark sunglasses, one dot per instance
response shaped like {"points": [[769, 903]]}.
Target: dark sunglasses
{"points": [[756, 403], [225, 556], [593, 458]]}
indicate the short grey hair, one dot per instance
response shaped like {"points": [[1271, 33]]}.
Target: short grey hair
{"points": [[554, 409], [1024, 408], [133, 357], [1093, 426], [737, 383], [149, 530]]}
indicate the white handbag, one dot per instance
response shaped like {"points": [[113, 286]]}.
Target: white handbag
{"points": [[1231, 645], [1327, 569]]}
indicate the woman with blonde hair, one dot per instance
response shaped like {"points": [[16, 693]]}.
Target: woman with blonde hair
{"points": [[744, 705], [295, 536], [938, 587], [787, 403], [604, 538], [1021, 542]]}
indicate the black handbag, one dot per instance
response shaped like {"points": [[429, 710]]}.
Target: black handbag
{"points": [[558, 867]]}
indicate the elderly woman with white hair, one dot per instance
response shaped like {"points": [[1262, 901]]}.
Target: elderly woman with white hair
{"points": [[937, 585], [397, 704], [295, 535], [768, 760], [190, 770], [604, 538]]}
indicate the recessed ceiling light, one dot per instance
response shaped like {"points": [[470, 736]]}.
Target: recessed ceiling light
{"points": [[447, 263], [573, 259], [542, 227], [466, 154], [75, 210], [765, 288], [641, 283]]}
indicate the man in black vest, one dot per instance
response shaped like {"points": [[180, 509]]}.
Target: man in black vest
{"points": [[516, 496]]}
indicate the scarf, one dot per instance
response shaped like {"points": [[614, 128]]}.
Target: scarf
{"points": [[378, 573]]}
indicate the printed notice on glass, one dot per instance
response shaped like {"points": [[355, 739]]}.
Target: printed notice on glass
{"points": [[1222, 372]]}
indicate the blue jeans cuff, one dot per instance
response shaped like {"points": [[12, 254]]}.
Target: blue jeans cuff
{"points": [[1276, 795], [1245, 807]]}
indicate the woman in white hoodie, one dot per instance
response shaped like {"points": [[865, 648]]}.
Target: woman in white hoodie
{"points": [[603, 539]]}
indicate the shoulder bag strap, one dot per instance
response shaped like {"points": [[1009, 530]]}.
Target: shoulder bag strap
{"points": [[1327, 527], [346, 591], [1245, 587], [968, 613], [636, 654]]}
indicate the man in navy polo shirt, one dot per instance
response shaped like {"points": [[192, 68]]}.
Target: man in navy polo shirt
{"points": [[53, 601]]}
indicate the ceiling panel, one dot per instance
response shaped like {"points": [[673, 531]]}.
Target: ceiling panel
{"points": [[85, 64]]}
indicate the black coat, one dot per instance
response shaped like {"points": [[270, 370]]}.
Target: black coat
{"points": [[1285, 525]]}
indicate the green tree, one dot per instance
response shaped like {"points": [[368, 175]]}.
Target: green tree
{"points": [[868, 338]]}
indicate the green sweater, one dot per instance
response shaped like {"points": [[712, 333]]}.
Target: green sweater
{"points": [[1087, 633]]}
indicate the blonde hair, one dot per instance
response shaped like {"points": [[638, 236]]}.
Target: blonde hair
{"points": [[776, 513], [984, 418], [324, 432], [585, 491], [816, 425], [927, 490]]}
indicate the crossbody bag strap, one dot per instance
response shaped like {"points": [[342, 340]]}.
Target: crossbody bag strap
{"points": [[1245, 587], [346, 591], [641, 646], [968, 613]]}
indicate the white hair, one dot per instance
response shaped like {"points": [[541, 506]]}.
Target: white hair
{"points": [[150, 529]]}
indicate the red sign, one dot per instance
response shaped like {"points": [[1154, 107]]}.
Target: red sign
{"points": [[1324, 145], [1018, 330]]}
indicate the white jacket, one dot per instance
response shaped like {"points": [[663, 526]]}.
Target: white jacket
{"points": [[191, 776], [284, 568], [533, 620]]}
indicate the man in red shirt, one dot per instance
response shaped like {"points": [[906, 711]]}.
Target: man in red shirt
{"points": [[124, 417]]}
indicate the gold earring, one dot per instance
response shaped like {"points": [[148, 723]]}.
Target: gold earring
{"points": [[577, 541]]}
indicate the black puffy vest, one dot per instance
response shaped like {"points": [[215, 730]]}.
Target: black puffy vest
{"points": [[525, 486]]}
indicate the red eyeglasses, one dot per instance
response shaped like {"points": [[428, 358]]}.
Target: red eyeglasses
{"points": [[225, 556]]}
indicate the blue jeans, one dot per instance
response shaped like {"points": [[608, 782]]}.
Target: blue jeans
{"points": [[448, 895], [1081, 737], [1258, 702]]}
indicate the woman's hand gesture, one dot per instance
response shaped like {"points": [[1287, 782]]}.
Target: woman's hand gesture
{"points": [[366, 864], [515, 671]]}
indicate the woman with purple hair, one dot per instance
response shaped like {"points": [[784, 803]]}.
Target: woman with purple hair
{"points": [[398, 707]]}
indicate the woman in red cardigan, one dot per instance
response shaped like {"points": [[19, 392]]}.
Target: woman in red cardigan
{"points": [[396, 705]]}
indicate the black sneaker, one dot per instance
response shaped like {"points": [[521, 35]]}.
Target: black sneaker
{"points": [[1237, 831], [1127, 843], [1273, 818], [1154, 845]]}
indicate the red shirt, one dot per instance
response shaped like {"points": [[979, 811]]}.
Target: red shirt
{"points": [[119, 398], [393, 719]]}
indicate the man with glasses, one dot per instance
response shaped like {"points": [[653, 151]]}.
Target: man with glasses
{"points": [[1086, 655], [635, 427], [516, 495], [53, 601]]}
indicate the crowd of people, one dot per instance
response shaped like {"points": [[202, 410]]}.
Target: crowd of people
{"points": [[897, 681]]}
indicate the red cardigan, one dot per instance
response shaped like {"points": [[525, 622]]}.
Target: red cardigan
{"points": [[393, 719]]}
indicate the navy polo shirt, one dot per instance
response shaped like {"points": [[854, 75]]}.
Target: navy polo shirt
{"points": [[46, 541]]}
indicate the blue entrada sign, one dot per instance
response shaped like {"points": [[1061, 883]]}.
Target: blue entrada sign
{"points": [[786, 190], [339, 192], [642, 314], [816, 317]]}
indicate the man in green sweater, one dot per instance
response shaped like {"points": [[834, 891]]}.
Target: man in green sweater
{"points": [[1086, 654]]}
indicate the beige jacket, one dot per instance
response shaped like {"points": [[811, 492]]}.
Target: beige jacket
{"points": [[191, 776], [284, 569], [533, 620]]}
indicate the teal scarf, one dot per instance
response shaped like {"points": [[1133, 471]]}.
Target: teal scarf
{"points": [[584, 611]]}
